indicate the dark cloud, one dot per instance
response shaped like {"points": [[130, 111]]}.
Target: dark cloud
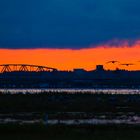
{"points": [[67, 23]]}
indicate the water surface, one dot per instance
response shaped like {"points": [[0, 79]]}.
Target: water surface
{"points": [[72, 91]]}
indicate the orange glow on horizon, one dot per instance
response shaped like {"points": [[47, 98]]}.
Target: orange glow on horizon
{"points": [[67, 59]]}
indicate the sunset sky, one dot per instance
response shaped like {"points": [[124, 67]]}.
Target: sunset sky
{"points": [[67, 34]]}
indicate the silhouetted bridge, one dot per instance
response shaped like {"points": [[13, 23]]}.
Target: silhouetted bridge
{"points": [[24, 68]]}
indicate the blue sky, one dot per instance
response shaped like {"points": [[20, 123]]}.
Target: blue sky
{"points": [[67, 23]]}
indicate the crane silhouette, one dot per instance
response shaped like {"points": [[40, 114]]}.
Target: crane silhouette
{"points": [[113, 62], [127, 64]]}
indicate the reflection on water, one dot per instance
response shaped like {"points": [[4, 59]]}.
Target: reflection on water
{"points": [[97, 119], [129, 120], [72, 91]]}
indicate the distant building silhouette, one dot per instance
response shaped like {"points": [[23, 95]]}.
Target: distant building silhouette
{"points": [[79, 71], [46, 77], [99, 68]]}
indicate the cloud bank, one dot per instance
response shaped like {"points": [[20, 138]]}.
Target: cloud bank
{"points": [[67, 23]]}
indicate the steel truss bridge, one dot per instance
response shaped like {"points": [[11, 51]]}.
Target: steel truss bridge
{"points": [[24, 68]]}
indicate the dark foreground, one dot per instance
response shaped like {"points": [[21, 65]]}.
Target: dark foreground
{"points": [[65, 102], [41, 132], [58, 106]]}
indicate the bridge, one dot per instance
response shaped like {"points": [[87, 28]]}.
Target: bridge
{"points": [[24, 68]]}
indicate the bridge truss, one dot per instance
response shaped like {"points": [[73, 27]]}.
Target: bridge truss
{"points": [[24, 68]]}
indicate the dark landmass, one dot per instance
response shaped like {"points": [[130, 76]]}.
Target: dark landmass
{"points": [[78, 78], [65, 102]]}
